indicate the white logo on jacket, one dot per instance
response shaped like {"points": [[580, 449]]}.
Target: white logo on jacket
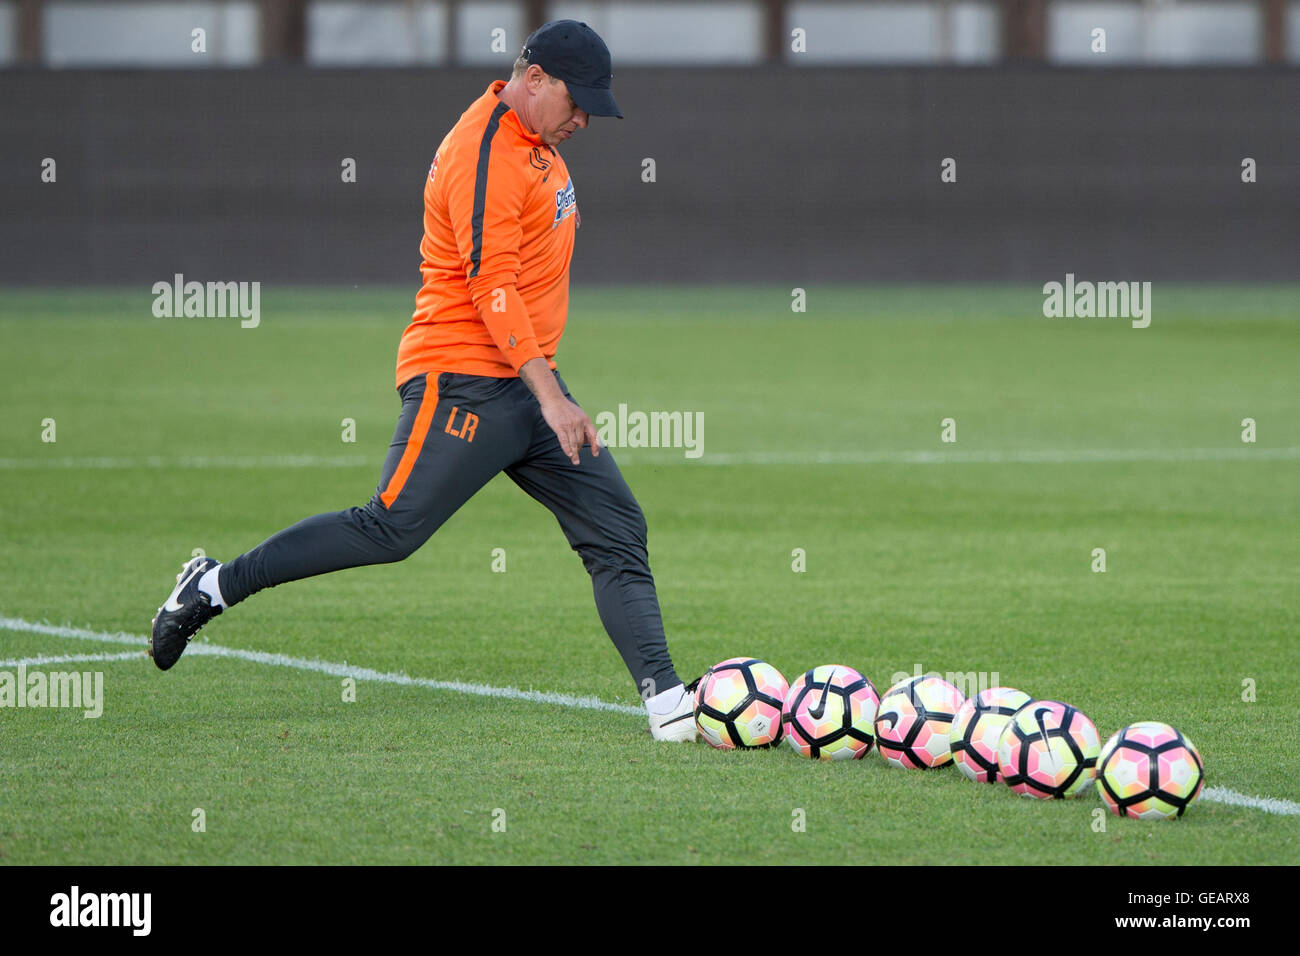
{"points": [[565, 203]]}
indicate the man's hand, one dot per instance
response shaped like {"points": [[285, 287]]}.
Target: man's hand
{"points": [[569, 422], [571, 425]]}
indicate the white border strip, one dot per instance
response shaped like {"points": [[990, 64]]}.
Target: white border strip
{"points": [[1211, 794]]}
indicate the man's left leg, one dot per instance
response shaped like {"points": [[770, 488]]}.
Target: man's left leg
{"points": [[603, 522]]}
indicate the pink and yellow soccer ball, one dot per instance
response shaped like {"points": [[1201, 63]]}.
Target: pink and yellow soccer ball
{"points": [[830, 714], [978, 727], [738, 704], [1048, 750], [1149, 771], [913, 722]]}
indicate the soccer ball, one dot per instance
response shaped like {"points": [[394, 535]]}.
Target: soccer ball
{"points": [[913, 721], [1048, 750], [830, 712], [738, 704], [977, 728], [1149, 771]]}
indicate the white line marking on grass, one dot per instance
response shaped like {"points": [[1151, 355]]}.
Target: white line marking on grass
{"points": [[387, 677], [80, 633], [1022, 457], [1267, 804], [329, 667], [40, 660], [192, 461], [658, 457]]}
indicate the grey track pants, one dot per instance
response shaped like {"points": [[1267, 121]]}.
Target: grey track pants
{"points": [[455, 433]]}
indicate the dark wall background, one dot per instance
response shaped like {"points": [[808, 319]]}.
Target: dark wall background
{"points": [[767, 174]]}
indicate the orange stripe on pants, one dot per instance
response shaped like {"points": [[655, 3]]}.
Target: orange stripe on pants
{"points": [[414, 443]]}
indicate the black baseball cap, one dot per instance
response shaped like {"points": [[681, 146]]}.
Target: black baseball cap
{"points": [[573, 52]]}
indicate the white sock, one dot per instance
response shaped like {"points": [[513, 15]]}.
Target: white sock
{"points": [[666, 701], [210, 585]]}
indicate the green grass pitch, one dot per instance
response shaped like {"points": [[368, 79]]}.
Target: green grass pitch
{"points": [[979, 563]]}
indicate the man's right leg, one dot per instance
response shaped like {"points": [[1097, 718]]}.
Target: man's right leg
{"points": [[434, 465], [602, 521]]}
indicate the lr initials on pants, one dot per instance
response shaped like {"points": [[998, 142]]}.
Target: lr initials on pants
{"points": [[467, 425]]}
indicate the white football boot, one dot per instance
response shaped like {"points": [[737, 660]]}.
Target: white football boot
{"points": [[678, 724]]}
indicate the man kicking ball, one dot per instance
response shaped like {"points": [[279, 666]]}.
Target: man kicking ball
{"points": [[477, 380]]}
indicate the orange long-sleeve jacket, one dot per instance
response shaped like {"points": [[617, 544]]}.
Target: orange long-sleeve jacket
{"points": [[499, 224]]}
